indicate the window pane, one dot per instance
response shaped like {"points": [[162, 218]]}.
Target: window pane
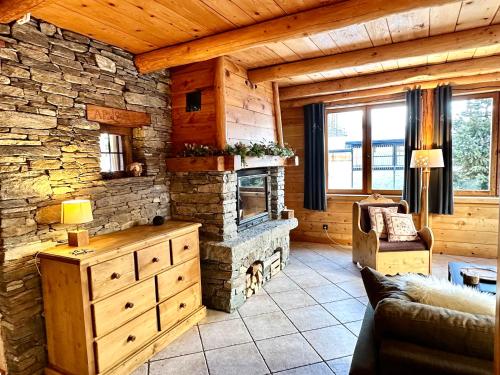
{"points": [[345, 150], [112, 159], [471, 132], [105, 162], [388, 140], [114, 141], [104, 142]]}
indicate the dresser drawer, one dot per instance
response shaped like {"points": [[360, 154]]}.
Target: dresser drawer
{"points": [[113, 311], [112, 275], [185, 247], [115, 346], [153, 259], [178, 278], [179, 306]]}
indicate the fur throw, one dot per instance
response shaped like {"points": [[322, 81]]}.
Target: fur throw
{"points": [[440, 292]]}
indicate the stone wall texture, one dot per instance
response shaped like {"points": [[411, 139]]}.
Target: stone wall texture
{"points": [[49, 152]]}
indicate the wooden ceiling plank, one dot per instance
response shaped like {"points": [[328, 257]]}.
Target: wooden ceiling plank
{"points": [[351, 38], [304, 47], [461, 55], [230, 11], [443, 19], [388, 90], [261, 10], [317, 20], [294, 6], [482, 65], [378, 31], [13, 10], [91, 28], [283, 51], [410, 25], [476, 13], [474, 38]]}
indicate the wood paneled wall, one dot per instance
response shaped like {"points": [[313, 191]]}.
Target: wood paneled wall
{"points": [[249, 108], [471, 231]]}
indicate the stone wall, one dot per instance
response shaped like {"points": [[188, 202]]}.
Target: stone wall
{"points": [[49, 152]]}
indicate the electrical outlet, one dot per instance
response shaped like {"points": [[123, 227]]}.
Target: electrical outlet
{"points": [[325, 226]]}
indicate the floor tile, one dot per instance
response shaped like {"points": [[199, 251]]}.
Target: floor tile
{"points": [[256, 305], [316, 369], [192, 364], [280, 284], [188, 343], [242, 359], [296, 269], [341, 366], [331, 342], [269, 325], [364, 300], [345, 311], [327, 293], [354, 327], [293, 299], [286, 352], [354, 287], [310, 280], [218, 316], [143, 370], [338, 276], [226, 333], [311, 317], [324, 265]]}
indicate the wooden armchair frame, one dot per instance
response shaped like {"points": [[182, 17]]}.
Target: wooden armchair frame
{"points": [[366, 246]]}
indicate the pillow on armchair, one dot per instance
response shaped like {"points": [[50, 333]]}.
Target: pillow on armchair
{"points": [[400, 227], [377, 219]]}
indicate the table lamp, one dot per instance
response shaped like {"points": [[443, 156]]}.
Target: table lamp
{"points": [[77, 212], [425, 160]]}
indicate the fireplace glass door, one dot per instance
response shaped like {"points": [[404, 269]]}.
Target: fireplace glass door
{"points": [[253, 202]]}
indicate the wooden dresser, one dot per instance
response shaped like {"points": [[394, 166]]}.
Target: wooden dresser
{"points": [[109, 310]]}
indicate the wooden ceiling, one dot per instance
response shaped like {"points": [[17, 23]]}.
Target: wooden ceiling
{"points": [[141, 26]]}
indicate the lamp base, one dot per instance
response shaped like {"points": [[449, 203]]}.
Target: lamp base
{"points": [[78, 238]]}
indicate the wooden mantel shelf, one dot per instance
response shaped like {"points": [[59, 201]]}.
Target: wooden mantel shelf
{"points": [[227, 163]]}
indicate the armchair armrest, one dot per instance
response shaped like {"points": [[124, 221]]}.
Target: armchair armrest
{"points": [[426, 234]]}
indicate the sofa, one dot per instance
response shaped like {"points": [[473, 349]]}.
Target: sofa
{"points": [[400, 336]]}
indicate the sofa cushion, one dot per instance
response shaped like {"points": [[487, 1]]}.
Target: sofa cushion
{"points": [[377, 220], [378, 286], [435, 327], [400, 227], [364, 219], [402, 246]]}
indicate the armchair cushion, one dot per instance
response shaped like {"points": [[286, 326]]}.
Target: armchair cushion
{"points": [[364, 220], [402, 246], [377, 219], [400, 227]]}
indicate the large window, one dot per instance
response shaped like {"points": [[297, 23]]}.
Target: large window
{"points": [[474, 142], [366, 149]]}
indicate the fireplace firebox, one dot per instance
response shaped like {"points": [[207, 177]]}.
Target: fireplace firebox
{"points": [[253, 197]]}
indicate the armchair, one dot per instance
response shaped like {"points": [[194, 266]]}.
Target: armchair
{"points": [[384, 256]]}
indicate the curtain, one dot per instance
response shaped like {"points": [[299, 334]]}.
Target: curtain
{"points": [[314, 155], [441, 179], [412, 176]]}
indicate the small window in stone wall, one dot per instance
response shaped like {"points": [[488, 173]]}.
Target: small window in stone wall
{"points": [[115, 151]]}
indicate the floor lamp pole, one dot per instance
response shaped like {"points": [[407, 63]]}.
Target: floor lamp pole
{"points": [[424, 211]]}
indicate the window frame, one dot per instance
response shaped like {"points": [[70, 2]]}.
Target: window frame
{"points": [[126, 136], [494, 162], [366, 144]]}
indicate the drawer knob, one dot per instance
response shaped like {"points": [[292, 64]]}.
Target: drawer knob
{"points": [[182, 305], [131, 338], [156, 260], [129, 305], [186, 247], [180, 278], [115, 276]]}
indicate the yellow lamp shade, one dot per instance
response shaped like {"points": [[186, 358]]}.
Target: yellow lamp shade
{"points": [[76, 212], [427, 158]]}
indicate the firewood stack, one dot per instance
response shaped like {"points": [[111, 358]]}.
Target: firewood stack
{"points": [[255, 279]]}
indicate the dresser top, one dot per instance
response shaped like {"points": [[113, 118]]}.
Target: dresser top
{"points": [[108, 246]]}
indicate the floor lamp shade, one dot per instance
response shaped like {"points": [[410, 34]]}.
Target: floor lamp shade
{"points": [[77, 212], [427, 158]]}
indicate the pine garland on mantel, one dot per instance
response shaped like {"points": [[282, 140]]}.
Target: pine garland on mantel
{"points": [[259, 149]]}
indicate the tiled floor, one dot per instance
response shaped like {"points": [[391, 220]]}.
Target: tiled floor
{"points": [[305, 321]]}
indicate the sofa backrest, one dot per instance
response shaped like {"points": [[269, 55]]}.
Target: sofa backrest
{"points": [[364, 219]]}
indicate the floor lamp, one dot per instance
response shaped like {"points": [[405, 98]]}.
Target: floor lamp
{"points": [[425, 160]]}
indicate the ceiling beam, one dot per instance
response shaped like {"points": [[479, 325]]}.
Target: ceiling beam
{"points": [[334, 16], [13, 10], [462, 40], [381, 91], [468, 67]]}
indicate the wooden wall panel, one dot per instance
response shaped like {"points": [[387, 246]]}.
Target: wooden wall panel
{"points": [[471, 231]]}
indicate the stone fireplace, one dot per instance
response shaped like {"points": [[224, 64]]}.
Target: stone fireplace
{"points": [[227, 250]]}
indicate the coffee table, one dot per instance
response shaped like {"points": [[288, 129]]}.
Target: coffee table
{"points": [[455, 277]]}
